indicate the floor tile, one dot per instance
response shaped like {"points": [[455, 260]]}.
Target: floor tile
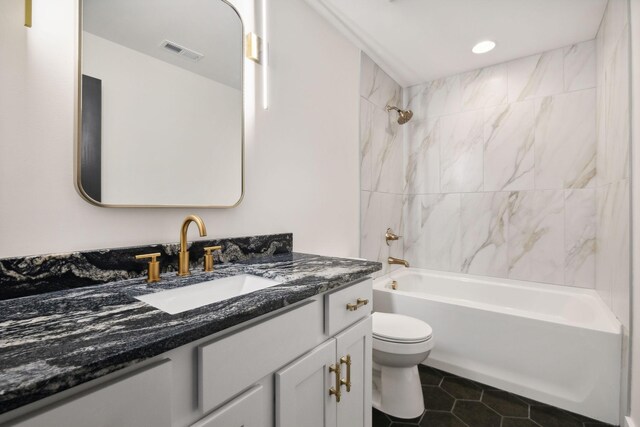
{"points": [[461, 388], [549, 416], [453, 401], [379, 419], [429, 376], [440, 419], [505, 403], [437, 399], [529, 401], [476, 414], [518, 422]]}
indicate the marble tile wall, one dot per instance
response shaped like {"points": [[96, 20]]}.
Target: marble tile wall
{"points": [[518, 170], [501, 170], [382, 165], [612, 183], [613, 271]]}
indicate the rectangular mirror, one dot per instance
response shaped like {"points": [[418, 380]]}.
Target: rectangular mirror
{"points": [[160, 103]]}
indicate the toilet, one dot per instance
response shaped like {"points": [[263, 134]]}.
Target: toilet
{"points": [[400, 343]]}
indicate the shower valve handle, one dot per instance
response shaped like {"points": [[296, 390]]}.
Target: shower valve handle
{"points": [[390, 236]]}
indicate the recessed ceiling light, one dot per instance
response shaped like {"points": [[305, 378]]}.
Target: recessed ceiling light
{"points": [[483, 47]]}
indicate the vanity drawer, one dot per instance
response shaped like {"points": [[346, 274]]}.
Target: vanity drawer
{"points": [[141, 399], [338, 316], [233, 363]]}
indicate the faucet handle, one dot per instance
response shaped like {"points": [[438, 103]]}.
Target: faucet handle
{"points": [[389, 236], [208, 257], [154, 266]]}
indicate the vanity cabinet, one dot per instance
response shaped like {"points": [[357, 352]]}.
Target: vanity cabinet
{"points": [[244, 411], [312, 391], [302, 390], [141, 399], [357, 343], [229, 365], [270, 371]]}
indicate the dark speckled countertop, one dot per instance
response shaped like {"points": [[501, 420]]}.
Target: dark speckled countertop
{"points": [[52, 341]]}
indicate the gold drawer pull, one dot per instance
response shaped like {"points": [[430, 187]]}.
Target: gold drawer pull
{"points": [[359, 303], [335, 391], [347, 361]]}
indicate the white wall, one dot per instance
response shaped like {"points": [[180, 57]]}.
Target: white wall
{"points": [[169, 136], [635, 169], [301, 160]]}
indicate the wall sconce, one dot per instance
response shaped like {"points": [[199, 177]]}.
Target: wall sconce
{"points": [[28, 13], [256, 50], [254, 47]]}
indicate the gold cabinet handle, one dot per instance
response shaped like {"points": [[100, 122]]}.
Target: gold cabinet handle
{"points": [[347, 361], [208, 257], [154, 266], [359, 303], [335, 391]]}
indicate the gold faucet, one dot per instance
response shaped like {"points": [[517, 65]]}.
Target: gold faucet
{"points": [[183, 265], [392, 260]]}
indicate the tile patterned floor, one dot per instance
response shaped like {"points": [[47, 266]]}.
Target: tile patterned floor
{"points": [[453, 401]]}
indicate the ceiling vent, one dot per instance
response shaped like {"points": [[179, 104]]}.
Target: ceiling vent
{"points": [[176, 49]]}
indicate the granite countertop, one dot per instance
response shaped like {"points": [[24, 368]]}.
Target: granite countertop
{"points": [[53, 341]]}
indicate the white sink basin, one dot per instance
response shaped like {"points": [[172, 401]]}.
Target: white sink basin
{"points": [[186, 298]]}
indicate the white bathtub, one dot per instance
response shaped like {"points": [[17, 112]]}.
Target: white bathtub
{"points": [[555, 344]]}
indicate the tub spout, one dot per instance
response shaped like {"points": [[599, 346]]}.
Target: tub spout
{"points": [[392, 260]]}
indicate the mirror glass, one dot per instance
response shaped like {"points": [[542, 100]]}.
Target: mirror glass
{"points": [[161, 110]]}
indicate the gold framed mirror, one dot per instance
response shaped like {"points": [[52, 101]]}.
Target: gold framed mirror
{"points": [[160, 120]]}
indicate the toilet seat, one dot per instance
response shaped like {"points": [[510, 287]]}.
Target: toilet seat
{"points": [[402, 348], [400, 329]]}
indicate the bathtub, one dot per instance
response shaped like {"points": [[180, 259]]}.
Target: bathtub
{"points": [[555, 344]]}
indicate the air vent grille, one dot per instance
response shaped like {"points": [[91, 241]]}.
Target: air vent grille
{"points": [[176, 49]]}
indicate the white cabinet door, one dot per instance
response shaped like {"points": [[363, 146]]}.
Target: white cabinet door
{"points": [[141, 399], [354, 408], [302, 390], [243, 411]]}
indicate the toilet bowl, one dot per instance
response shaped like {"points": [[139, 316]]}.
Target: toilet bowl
{"points": [[400, 343]]}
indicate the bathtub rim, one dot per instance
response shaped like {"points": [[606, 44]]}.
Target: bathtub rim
{"points": [[607, 323]]}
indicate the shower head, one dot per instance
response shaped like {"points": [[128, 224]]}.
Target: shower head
{"points": [[403, 115]]}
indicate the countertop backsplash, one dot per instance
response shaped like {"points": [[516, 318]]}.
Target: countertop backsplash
{"points": [[32, 275]]}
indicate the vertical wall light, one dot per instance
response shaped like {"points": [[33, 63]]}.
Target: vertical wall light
{"points": [[254, 47], [265, 58], [256, 51], [28, 13]]}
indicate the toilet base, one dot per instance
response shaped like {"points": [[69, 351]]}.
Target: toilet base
{"points": [[397, 391]]}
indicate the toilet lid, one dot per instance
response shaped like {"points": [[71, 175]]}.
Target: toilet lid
{"points": [[400, 328]]}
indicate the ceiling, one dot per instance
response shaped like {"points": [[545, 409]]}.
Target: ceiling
{"points": [[208, 27], [420, 40]]}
